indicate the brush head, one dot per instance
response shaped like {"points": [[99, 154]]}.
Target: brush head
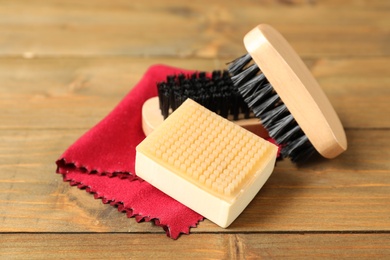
{"points": [[214, 91], [282, 92]]}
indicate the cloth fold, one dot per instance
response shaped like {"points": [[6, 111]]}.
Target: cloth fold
{"points": [[103, 162]]}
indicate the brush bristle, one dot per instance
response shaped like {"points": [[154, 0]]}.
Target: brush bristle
{"points": [[266, 104], [214, 91]]}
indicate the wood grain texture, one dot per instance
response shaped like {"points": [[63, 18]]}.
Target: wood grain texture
{"points": [[64, 65], [196, 246], [191, 29]]}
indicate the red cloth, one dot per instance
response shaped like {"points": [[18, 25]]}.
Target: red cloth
{"points": [[103, 162]]}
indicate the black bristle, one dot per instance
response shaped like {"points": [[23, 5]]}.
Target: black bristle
{"points": [[259, 95], [214, 91], [291, 134], [279, 127], [180, 78], [238, 64], [216, 74], [246, 74], [248, 87], [164, 98], [299, 150], [266, 104], [268, 118], [260, 108]]}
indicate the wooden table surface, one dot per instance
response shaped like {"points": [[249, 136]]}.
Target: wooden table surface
{"points": [[65, 64]]}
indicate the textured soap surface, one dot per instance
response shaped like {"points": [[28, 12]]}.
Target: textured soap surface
{"points": [[206, 162]]}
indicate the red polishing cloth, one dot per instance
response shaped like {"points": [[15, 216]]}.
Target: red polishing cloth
{"points": [[103, 162]]}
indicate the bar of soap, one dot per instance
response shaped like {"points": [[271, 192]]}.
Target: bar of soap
{"points": [[206, 162]]}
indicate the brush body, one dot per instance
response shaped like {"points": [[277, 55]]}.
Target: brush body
{"points": [[281, 91], [214, 90]]}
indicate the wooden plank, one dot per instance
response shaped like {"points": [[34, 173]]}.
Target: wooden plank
{"points": [[65, 64], [77, 93], [34, 198], [83, 90], [196, 29], [349, 193], [210, 246], [357, 89]]}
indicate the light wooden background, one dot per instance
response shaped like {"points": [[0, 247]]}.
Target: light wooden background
{"points": [[65, 64]]}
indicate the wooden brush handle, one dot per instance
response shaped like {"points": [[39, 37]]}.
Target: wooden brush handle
{"points": [[298, 89]]}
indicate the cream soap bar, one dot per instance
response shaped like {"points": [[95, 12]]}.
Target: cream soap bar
{"points": [[206, 162]]}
